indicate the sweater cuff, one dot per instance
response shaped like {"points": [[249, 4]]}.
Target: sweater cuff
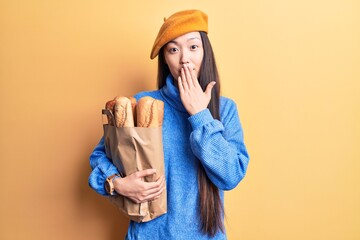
{"points": [[111, 172], [200, 119]]}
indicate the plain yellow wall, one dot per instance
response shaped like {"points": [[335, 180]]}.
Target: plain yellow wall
{"points": [[293, 67]]}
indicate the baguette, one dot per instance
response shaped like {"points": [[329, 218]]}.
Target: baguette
{"points": [[133, 106], [110, 106], [123, 112], [150, 112]]}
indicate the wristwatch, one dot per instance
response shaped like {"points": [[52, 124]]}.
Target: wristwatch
{"points": [[109, 185]]}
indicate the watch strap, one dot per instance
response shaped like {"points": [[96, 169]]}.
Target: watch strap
{"points": [[109, 181]]}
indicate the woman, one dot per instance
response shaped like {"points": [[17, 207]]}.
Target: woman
{"points": [[204, 151]]}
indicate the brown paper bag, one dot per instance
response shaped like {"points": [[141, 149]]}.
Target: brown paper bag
{"points": [[133, 149]]}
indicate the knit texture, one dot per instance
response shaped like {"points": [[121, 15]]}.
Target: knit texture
{"points": [[187, 141]]}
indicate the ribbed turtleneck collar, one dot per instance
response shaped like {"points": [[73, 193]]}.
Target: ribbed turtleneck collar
{"points": [[172, 95]]}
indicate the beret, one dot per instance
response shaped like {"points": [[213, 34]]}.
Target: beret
{"points": [[178, 24]]}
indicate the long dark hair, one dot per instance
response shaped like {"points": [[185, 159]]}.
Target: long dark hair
{"points": [[211, 208]]}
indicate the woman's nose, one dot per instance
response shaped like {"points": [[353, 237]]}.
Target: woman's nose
{"points": [[184, 59]]}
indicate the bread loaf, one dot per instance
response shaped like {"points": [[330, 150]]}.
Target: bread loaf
{"points": [[123, 112], [150, 112], [110, 106], [133, 106], [147, 112]]}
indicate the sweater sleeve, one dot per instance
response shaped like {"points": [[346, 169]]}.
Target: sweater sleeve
{"points": [[102, 167], [220, 146]]}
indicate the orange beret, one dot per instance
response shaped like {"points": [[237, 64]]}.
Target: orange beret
{"points": [[178, 24]]}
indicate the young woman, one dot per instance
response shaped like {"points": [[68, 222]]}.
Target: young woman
{"points": [[204, 151]]}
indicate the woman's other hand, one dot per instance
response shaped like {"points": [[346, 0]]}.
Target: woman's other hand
{"points": [[134, 187]]}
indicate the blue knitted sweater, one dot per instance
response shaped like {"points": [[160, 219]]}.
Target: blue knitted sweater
{"points": [[219, 146]]}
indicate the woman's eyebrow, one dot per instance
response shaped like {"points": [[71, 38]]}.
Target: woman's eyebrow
{"points": [[173, 41], [194, 38]]}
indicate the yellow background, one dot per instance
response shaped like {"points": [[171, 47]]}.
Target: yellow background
{"points": [[293, 67]]}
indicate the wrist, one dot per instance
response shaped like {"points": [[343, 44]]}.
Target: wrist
{"points": [[109, 184], [200, 118], [117, 182], [196, 111]]}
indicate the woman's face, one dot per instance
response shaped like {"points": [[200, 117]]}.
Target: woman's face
{"points": [[184, 50]]}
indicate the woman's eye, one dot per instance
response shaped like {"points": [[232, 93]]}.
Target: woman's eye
{"points": [[193, 47], [173, 50]]}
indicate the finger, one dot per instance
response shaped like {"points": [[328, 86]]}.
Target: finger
{"points": [[145, 173], [156, 188], [184, 81], [152, 196], [157, 193], [152, 193], [181, 86], [134, 199], [188, 77], [162, 182], [192, 72], [149, 186], [209, 88]]}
